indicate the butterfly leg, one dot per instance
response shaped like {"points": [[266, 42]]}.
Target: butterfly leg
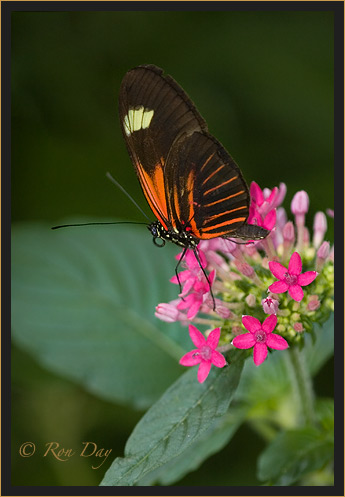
{"points": [[196, 253], [176, 268]]}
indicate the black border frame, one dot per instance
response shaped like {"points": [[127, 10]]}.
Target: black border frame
{"points": [[7, 7]]}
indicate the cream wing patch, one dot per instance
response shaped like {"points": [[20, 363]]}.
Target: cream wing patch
{"points": [[136, 119]]}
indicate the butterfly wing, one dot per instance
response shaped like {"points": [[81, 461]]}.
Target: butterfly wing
{"points": [[206, 189], [154, 113]]}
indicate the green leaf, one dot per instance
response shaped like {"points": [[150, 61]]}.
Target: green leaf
{"points": [[260, 384], [210, 442], [175, 422], [271, 379], [317, 354], [83, 304], [325, 413], [293, 454]]}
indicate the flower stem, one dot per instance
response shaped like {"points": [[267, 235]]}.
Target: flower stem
{"points": [[301, 384], [300, 233], [269, 248]]}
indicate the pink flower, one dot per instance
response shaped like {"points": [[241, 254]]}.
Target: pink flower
{"points": [[278, 200], [169, 312], [268, 221], [205, 354], [194, 300], [256, 194], [263, 200], [266, 200], [291, 279], [270, 305], [260, 337]]}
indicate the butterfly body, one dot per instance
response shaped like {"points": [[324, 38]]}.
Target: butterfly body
{"points": [[192, 184]]}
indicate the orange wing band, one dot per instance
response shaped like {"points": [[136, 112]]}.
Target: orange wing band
{"points": [[219, 186], [153, 188]]}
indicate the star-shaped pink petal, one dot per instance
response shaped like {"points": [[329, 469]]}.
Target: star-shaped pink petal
{"points": [[291, 279], [205, 354], [260, 337]]}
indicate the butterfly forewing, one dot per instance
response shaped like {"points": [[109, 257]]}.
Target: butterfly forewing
{"points": [[154, 113], [206, 189]]}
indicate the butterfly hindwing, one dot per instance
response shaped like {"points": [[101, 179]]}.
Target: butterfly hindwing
{"points": [[206, 189]]}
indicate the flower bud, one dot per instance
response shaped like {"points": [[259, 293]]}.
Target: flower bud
{"points": [[320, 228], [251, 300], [313, 303], [168, 312], [323, 251], [245, 268], [298, 327], [223, 311], [322, 255], [300, 203], [289, 233], [300, 206]]}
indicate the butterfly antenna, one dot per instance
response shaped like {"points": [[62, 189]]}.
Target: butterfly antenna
{"points": [[89, 224], [109, 176]]}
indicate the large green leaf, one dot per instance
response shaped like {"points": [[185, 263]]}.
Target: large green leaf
{"points": [[83, 304], [293, 454], [175, 422], [210, 442]]}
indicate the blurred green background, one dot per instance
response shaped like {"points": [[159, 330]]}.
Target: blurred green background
{"points": [[264, 83]]}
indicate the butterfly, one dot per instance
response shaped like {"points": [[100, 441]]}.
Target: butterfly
{"points": [[191, 183]]}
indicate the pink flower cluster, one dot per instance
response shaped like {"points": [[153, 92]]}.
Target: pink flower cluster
{"points": [[263, 205], [196, 288], [228, 264]]}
